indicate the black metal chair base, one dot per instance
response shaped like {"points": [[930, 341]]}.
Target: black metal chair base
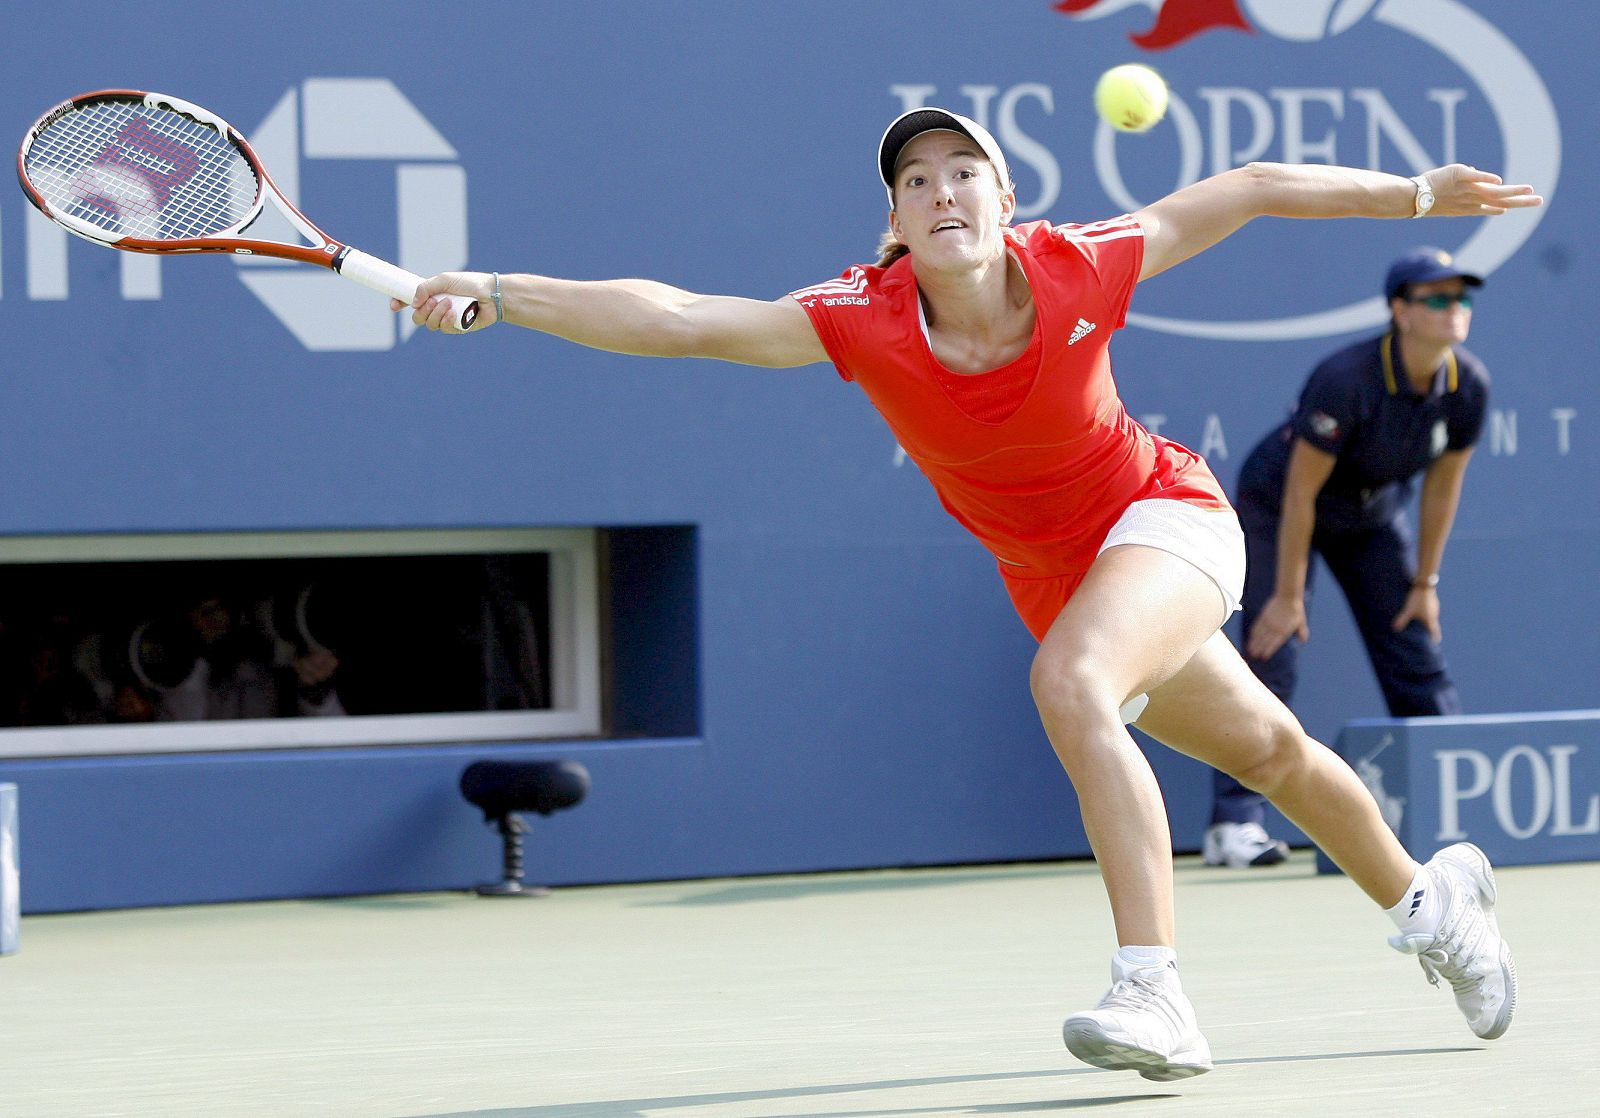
{"points": [[510, 889]]}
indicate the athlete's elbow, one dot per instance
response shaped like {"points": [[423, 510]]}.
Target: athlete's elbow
{"points": [[1263, 186], [1262, 172], [671, 334]]}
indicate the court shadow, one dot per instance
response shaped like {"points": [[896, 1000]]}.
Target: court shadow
{"points": [[646, 1108], [1064, 1104], [789, 888], [1315, 1056], [1038, 1106], [640, 1108]]}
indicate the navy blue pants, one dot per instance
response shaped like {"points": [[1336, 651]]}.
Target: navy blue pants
{"points": [[1374, 567]]}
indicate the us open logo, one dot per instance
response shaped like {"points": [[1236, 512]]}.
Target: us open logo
{"points": [[1215, 126], [365, 119]]}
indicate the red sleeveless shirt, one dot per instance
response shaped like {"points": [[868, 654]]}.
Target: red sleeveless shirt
{"points": [[1040, 468]]}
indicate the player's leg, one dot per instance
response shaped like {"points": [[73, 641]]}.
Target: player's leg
{"points": [[1133, 622], [1463, 945], [1217, 711]]}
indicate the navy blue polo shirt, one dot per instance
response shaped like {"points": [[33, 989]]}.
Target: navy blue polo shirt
{"points": [[1362, 409]]}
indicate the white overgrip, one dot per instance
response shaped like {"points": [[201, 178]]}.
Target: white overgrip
{"points": [[397, 283]]}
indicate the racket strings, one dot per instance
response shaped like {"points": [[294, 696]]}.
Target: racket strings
{"points": [[133, 171]]}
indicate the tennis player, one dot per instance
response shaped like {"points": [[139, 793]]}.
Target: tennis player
{"points": [[984, 347]]}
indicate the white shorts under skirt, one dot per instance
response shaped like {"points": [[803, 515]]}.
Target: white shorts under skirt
{"points": [[1210, 539]]}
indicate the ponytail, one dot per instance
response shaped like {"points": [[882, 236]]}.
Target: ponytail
{"points": [[890, 249]]}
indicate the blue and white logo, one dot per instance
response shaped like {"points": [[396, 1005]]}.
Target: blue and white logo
{"points": [[367, 119]]}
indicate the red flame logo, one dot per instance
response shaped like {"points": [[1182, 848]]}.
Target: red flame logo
{"points": [[1176, 20]]}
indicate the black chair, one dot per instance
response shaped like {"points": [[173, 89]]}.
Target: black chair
{"points": [[504, 788]]}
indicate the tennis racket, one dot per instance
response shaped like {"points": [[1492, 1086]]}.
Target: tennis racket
{"points": [[146, 172]]}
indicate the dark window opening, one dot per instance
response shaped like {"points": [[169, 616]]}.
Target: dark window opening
{"points": [[193, 640]]}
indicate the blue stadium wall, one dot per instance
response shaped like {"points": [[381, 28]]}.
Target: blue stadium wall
{"points": [[863, 695]]}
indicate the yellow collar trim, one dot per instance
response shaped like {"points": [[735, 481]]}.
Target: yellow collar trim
{"points": [[1386, 348]]}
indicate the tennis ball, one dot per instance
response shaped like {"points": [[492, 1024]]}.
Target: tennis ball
{"points": [[1130, 98]]}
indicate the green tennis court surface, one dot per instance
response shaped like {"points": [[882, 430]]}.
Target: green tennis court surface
{"points": [[867, 995]]}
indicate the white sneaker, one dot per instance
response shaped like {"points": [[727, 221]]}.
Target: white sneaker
{"points": [[1466, 950], [1242, 844], [1144, 1024]]}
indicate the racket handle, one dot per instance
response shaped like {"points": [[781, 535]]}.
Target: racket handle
{"points": [[397, 283]]}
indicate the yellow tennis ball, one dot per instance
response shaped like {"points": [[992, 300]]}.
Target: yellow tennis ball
{"points": [[1130, 98]]}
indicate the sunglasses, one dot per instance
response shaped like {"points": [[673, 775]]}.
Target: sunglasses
{"points": [[1444, 302]]}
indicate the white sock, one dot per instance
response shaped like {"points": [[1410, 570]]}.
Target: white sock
{"points": [[1420, 908], [1141, 957]]}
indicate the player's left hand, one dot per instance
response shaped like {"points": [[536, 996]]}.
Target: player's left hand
{"points": [[1422, 604], [1462, 191]]}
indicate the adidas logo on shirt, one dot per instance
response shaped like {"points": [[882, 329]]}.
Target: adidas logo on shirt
{"points": [[1081, 331]]}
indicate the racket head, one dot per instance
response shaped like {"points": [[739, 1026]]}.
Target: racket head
{"points": [[142, 171], [149, 172]]}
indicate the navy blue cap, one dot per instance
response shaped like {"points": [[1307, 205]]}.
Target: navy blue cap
{"points": [[1424, 265]]}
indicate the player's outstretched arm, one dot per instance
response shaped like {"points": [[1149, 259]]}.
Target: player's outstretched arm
{"points": [[633, 316], [1193, 219]]}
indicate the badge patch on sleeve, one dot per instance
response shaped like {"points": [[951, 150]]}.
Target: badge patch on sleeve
{"points": [[1325, 425]]}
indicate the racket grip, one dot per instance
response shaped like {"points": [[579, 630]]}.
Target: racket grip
{"points": [[397, 283]]}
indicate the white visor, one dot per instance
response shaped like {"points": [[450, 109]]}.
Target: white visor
{"points": [[908, 126]]}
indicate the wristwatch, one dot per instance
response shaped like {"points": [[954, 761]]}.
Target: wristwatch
{"points": [[1424, 196], [1425, 582]]}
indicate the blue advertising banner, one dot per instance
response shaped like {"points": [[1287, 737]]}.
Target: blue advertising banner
{"points": [[846, 624], [1523, 788]]}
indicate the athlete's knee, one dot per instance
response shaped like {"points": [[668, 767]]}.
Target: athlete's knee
{"points": [[1068, 689], [1283, 754]]}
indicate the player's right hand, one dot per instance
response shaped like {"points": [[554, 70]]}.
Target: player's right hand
{"points": [[1279, 619], [429, 311]]}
